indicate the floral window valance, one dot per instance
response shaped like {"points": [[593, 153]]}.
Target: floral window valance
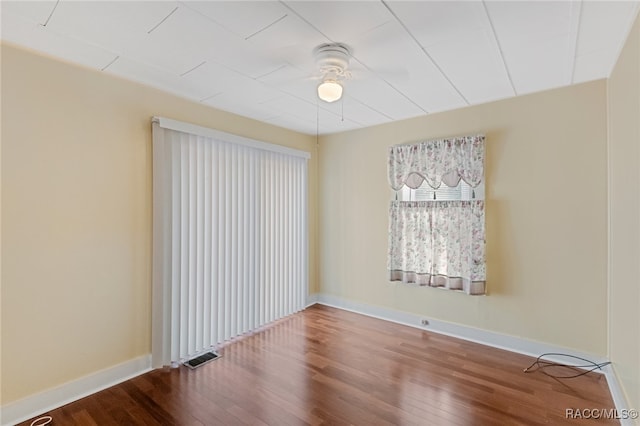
{"points": [[437, 161]]}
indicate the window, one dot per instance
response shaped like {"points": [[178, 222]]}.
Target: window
{"points": [[229, 237], [436, 231]]}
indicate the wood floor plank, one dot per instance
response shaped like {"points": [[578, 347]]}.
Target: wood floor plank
{"points": [[326, 366]]}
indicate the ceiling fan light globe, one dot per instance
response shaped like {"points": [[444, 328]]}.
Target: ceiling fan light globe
{"points": [[330, 91]]}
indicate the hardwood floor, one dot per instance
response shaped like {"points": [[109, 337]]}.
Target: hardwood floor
{"points": [[328, 366]]}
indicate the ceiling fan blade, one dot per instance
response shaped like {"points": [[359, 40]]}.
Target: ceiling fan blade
{"points": [[295, 55]]}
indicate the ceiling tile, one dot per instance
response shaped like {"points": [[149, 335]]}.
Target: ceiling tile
{"points": [[243, 18], [293, 123], [535, 59], [521, 21], [600, 25], [433, 22], [231, 103], [36, 12], [339, 116], [326, 116], [113, 25], [305, 111], [396, 58], [290, 40], [146, 74], [33, 35], [218, 79], [284, 75], [293, 81], [353, 110], [381, 97], [601, 37], [538, 64], [474, 65], [251, 62], [214, 78], [593, 66], [184, 40], [330, 123], [343, 21]]}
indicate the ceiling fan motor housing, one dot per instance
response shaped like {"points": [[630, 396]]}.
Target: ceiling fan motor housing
{"points": [[332, 58]]}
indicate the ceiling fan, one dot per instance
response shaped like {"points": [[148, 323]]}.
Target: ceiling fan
{"points": [[332, 60]]}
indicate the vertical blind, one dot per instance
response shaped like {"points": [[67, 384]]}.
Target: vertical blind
{"points": [[230, 237]]}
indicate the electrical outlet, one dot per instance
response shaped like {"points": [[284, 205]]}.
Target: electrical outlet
{"points": [[424, 322]]}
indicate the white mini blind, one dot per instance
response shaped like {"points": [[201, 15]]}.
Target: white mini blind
{"points": [[462, 191], [230, 237]]}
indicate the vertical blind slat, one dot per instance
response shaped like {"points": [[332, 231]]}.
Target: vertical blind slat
{"points": [[200, 313], [184, 246], [192, 308], [206, 255], [232, 283], [222, 241], [176, 244]]}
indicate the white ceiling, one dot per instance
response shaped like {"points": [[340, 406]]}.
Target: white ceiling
{"points": [[410, 58]]}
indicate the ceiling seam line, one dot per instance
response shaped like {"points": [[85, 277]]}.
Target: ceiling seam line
{"points": [[164, 19], [371, 108], [210, 19], [267, 27], [575, 45], [495, 37], [435, 64], [270, 72], [209, 97], [305, 21], [51, 14], [110, 63], [193, 69]]}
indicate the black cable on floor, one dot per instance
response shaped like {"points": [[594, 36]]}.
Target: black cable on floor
{"points": [[541, 364]]}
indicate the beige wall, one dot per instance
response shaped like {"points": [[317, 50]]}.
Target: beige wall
{"points": [[624, 204], [76, 216], [546, 217]]}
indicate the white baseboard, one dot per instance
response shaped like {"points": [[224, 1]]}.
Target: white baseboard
{"points": [[32, 406], [312, 299], [484, 337], [619, 399]]}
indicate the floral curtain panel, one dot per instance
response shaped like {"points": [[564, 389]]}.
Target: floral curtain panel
{"points": [[438, 161], [438, 243]]}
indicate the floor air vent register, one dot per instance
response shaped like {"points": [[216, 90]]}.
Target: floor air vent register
{"points": [[201, 360]]}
